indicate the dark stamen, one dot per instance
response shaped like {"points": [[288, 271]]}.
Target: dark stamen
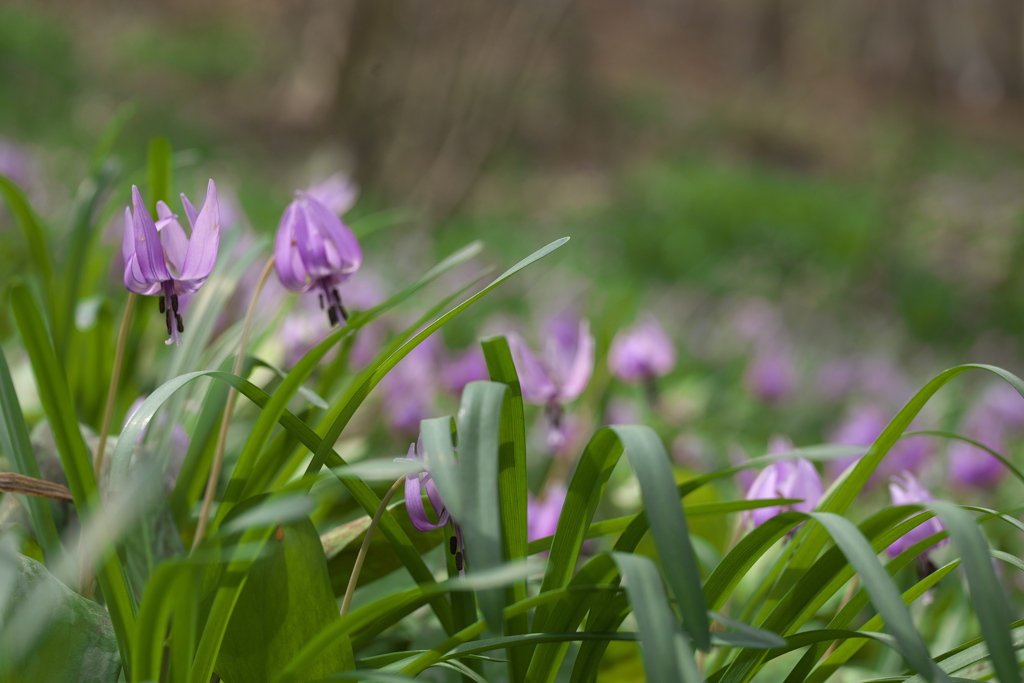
{"points": [[344, 313], [453, 545], [458, 561], [167, 320], [321, 302], [337, 297], [174, 302], [163, 304], [181, 325], [332, 315]]}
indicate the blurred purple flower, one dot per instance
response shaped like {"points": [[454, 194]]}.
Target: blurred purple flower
{"points": [[973, 466], [313, 248], [337, 192], [642, 352], [159, 258], [904, 489], [410, 388], [1005, 403], [784, 479], [560, 375], [460, 369], [542, 515], [770, 377], [415, 485], [16, 163], [861, 427]]}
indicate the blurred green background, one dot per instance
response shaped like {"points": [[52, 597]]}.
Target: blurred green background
{"points": [[852, 167]]}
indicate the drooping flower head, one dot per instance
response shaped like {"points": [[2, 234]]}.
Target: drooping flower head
{"points": [[415, 485], [159, 258], [784, 479], [642, 352], [905, 489], [561, 373], [313, 248], [861, 426]]}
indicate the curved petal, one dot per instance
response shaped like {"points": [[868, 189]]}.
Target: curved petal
{"points": [[287, 261], [533, 377], [414, 506], [312, 245], [134, 280], [148, 250], [190, 211], [338, 234], [578, 375], [128, 240], [202, 246], [172, 237]]}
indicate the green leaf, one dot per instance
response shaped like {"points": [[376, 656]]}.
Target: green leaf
{"points": [[286, 600], [56, 400], [341, 546], [884, 595], [14, 441], [665, 514], [35, 237], [667, 654], [512, 486], [51, 633], [991, 603]]}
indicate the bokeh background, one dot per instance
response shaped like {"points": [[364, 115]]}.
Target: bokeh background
{"points": [[821, 201]]}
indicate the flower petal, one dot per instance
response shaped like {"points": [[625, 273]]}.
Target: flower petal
{"points": [[338, 234], [148, 250], [287, 261], [202, 247], [134, 280], [414, 506], [579, 371], [172, 237], [533, 377], [190, 211]]}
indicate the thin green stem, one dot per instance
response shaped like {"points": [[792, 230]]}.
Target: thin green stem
{"points": [[365, 547], [222, 438], [115, 380]]}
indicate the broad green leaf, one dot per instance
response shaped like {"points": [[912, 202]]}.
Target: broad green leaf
{"points": [[286, 600], [51, 633]]}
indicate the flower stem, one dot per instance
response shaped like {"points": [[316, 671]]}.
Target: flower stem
{"points": [[115, 379], [222, 438], [353, 579]]}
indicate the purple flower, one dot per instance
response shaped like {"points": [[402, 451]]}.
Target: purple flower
{"points": [[542, 515], [973, 466], [159, 258], [770, 376], [415, 485], [410, 388], [862, 425], [642, 352], [460, 369], [904, 489], [313, 248], [561, 374], [338, 193], [784, 479]]}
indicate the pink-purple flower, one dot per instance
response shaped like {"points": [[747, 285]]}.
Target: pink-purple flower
{"points": [[642, 353], [904, 489], [313, 248], [415, 485], [159, 258], [561, 373], [770, 377], [542, 515], [797, 479]]}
